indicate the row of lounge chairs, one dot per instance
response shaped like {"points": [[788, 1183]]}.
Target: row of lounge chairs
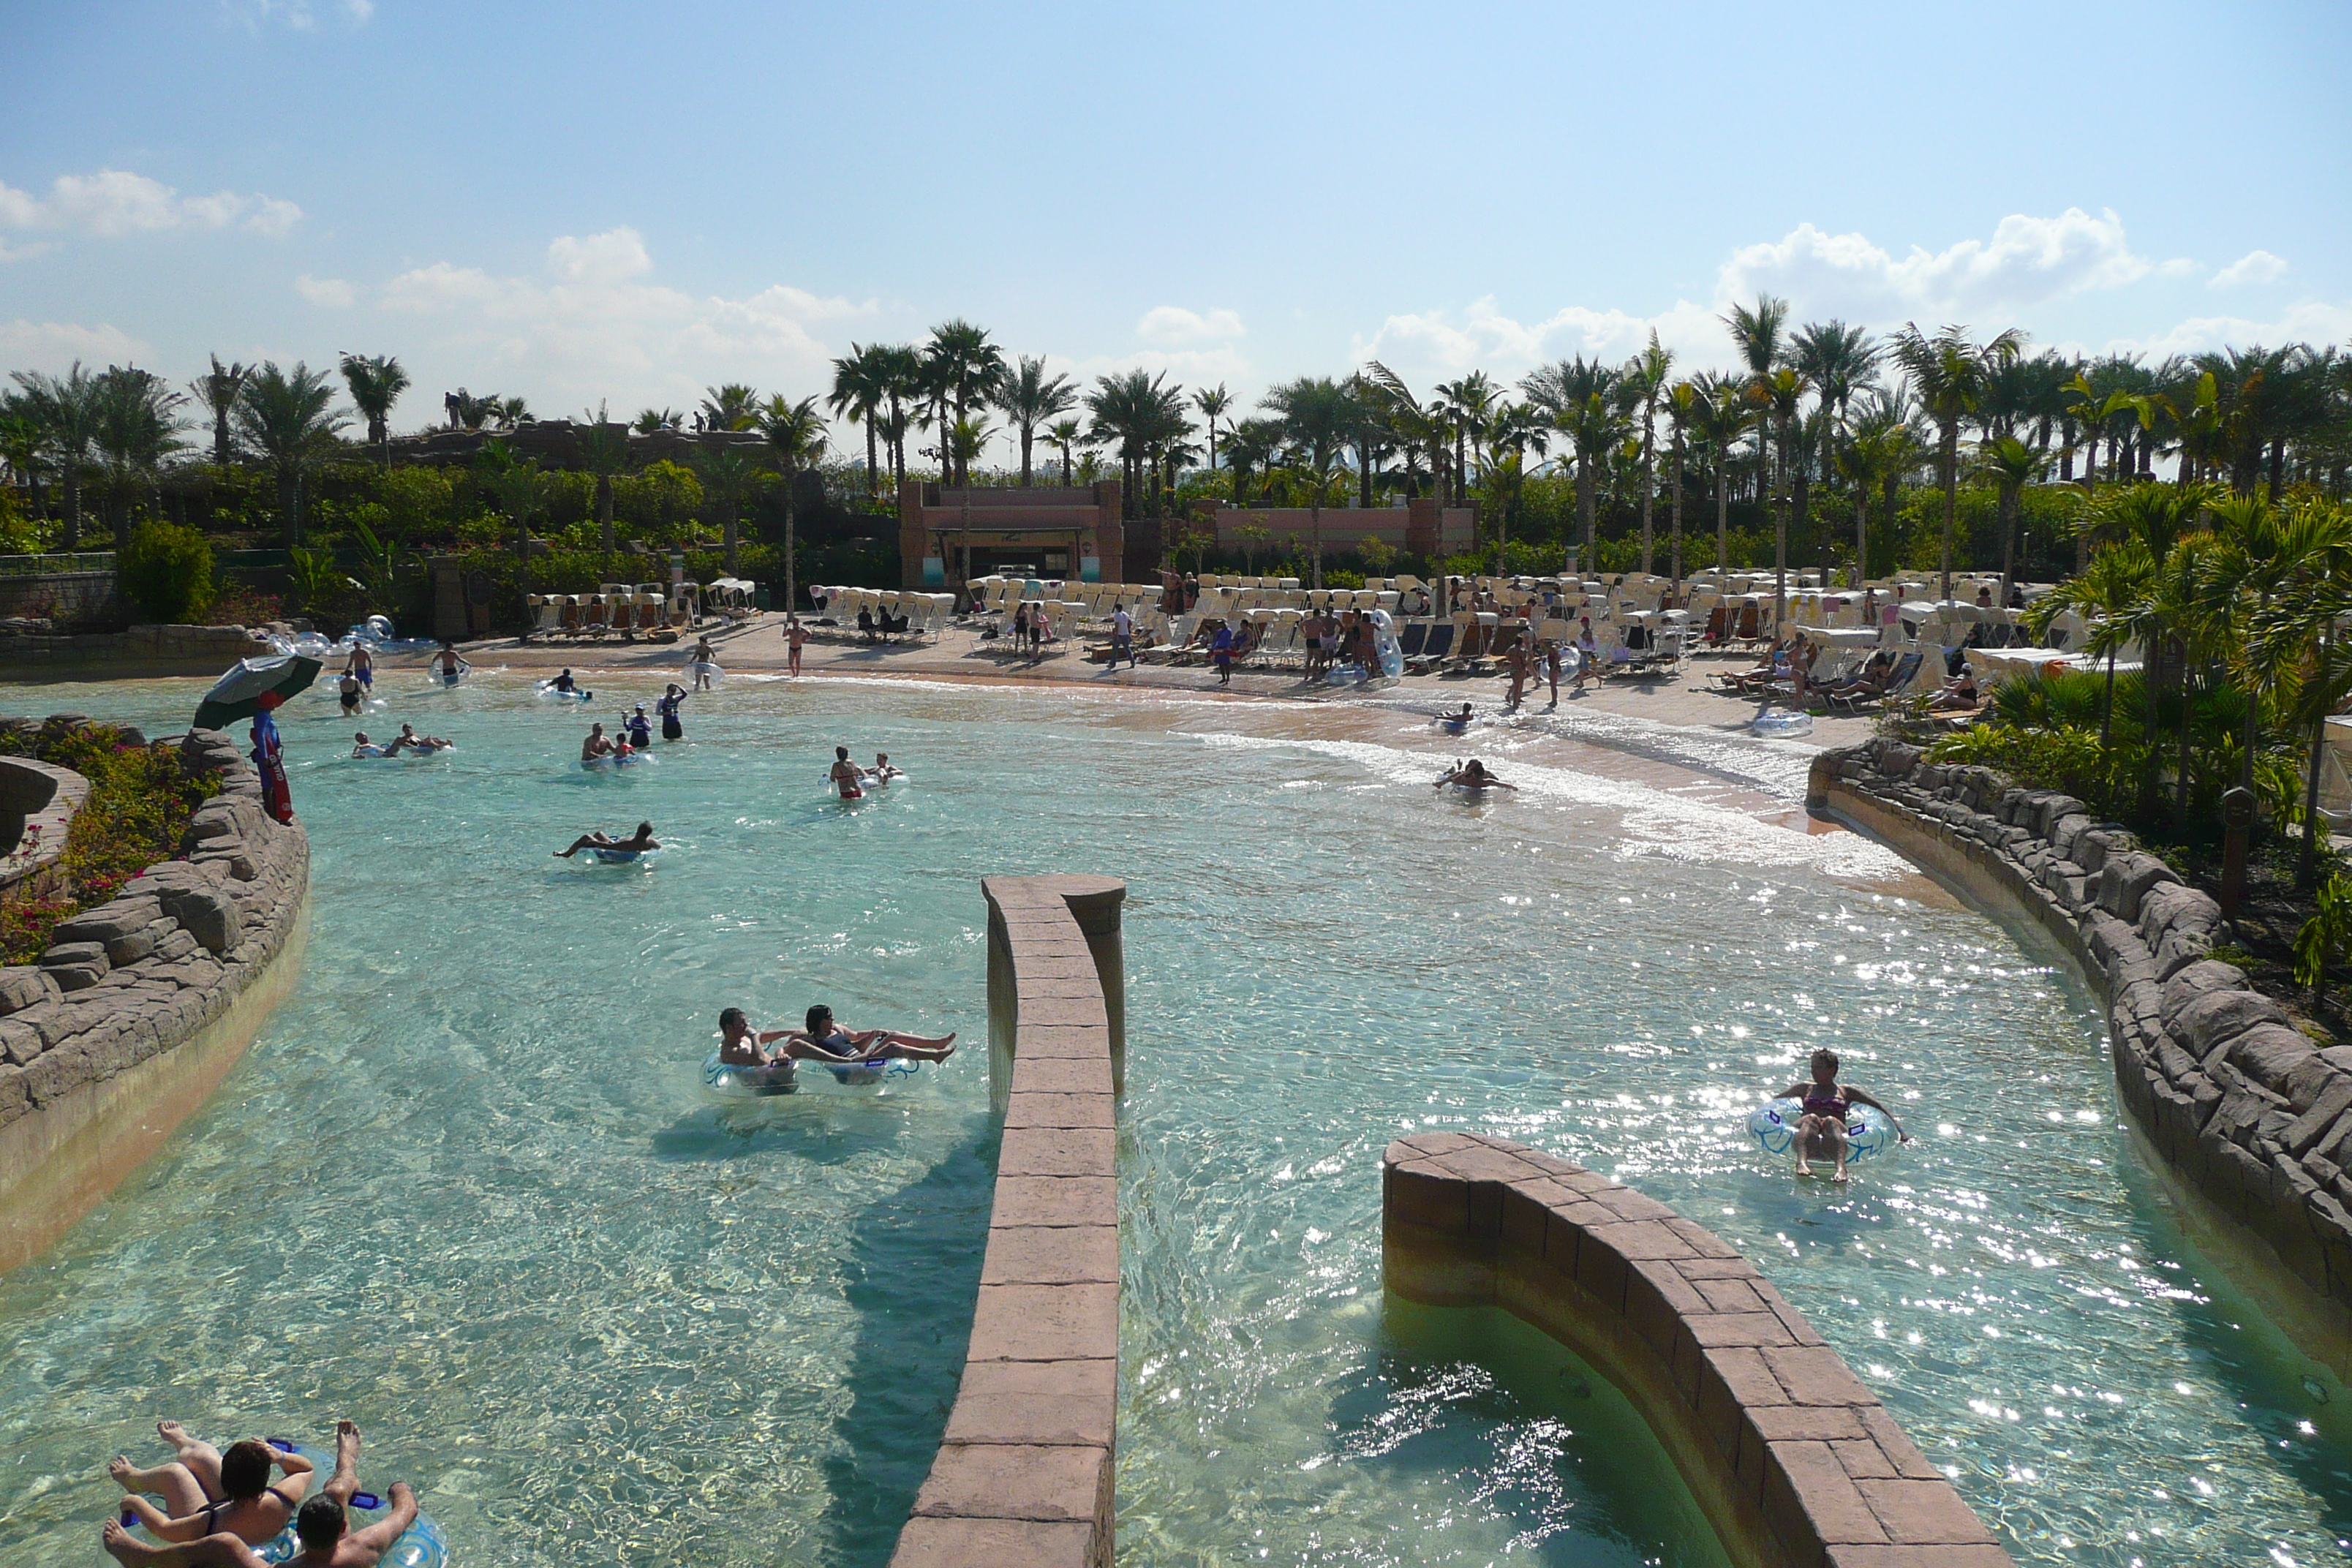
{"points": [[626, 612]]}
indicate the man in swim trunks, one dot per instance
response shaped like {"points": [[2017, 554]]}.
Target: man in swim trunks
{"points": [[1821, 1130], [882, 771], [700, 662], [424, 745], [1122, 635], [364, 747], [596, 746], [796, 636], [563, 681], [825, 1040], [447, 663], [636, 843], [208, 1492], [360, 665], [320, 1525], [846, 775]]}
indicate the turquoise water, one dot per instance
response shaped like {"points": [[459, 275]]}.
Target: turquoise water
{"points": [[468, 1190]]}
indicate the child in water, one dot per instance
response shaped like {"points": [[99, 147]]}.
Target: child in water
{"points": [[1821, 1130]]}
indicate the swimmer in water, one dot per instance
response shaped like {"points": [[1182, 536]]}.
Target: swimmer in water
{"points": [[563, 682], [846, 775], [446, 664], [364, 747], [882, 771], [640, 729], [1472, 775], [348, 693], [827, 1041], [1821, 1130], [320, 1525], [596, 746], [423, 745], [208, 1492], [636, 843], [1455, 723]]}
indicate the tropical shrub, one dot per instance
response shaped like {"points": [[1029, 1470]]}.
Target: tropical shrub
{"points": [[140, 801], [167, 572]]}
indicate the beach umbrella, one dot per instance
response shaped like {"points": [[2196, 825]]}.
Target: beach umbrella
{"points": [[239, 694]]}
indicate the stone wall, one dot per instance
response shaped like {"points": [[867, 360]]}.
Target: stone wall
{"points": [[1793, 1460], [30, 868], [158, 973], [67, 598], [2242, 1109], [183, 650], [1024, 1473]]}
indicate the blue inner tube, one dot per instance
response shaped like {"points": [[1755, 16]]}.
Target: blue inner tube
{"points": [[1774, 1125], [419, 1546], [577, 694]]}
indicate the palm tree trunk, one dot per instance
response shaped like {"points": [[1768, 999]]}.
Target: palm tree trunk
{"points": [[2306, 859], [873, 468], [604, 513], [792, 581], [1649, 497], [1678, 517], [220, 437], [2008, 539], [1950, 459], [1722, 516], [1779, 536], [1026, 432], [731, 533], [1316, 516], [289, 503], [1862, 534]]}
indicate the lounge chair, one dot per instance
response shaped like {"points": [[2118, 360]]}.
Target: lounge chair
{"points": [[1896, 677], [1433, 651], [1411, 640]]}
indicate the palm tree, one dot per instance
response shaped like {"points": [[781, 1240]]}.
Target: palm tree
{"points": [[1317, 417], [652, 421], [733, 406], [1465, 404], [795, 432], [2299, 632], [604, 452], [726, 474], [521, 490], [376, 383], [1949, 373], [1721, 417], [967, 367], [1065, 434], [1645, 376], [1029, 397], [1415, 428], [216, 389], [1250, 444], [138, 426], [1213, 402], [1590, 403], [2010, 465], [899, 371], [1683, 400], [964, 441], [857, 396], [67, 407], [1779, 391], [2105, 594], [1877, 452], [24, 445], [287, 420]]}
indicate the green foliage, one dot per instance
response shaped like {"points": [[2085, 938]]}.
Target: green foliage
{"points": [[2324, 936], [313, 580], [20, 534], [167, 572], [140, 801]]}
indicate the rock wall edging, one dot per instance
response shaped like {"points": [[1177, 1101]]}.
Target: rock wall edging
{"points": [[2244, 1110], [146, 972], [1026, 1471], [1790, 1457]]}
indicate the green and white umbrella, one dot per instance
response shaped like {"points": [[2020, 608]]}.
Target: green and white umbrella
{"points": [[239, 694]]}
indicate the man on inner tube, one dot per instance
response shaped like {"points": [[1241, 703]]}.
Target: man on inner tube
{"points": [[322, 1526]]}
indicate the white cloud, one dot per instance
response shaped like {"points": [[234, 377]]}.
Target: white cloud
{"points": [[2313, 321], [254, 15], [1439, 346], [113, 203], [2254, 266], [336, 293], [1174, 324], [53, 345], [2027, 261], [595, 323]]}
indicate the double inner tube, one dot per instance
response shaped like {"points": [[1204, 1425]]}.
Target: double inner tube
{"points": [[1868, 1132]]}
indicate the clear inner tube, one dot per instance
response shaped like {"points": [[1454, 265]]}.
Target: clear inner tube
{"points": [[1774, 1125], [419, 1546]]}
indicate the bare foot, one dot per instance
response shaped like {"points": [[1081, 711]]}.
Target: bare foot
{"points": [[347, 1442], [120, 1469], [1840, 1174], [122, 1548], [172, 1432], [1803, 1168]]}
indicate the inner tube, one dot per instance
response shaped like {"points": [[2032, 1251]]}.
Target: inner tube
{"points": [[1782, 721], [420, 1546], [632, 760], [697, 667], [370, 752], [801, 1077], [619, 857], [1774, 1125], [577, 694]]}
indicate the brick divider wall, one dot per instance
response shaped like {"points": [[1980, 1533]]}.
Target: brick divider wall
{"points": [[30, 870], [93, 1035], [1793, 1459], [2242, 1109], [1025, 1472]]}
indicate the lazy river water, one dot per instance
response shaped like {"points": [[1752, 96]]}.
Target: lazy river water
{"points": [[467, 1188]]}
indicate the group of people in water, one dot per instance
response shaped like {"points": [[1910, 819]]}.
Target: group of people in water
{"points": [[219, 1509], [409, 740], [823, 1040], [850, 782]]}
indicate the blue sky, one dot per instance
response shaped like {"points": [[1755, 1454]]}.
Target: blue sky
{"points": [[629, 202]]}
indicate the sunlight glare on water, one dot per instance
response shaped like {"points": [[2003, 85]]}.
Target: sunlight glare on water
{"points": [[467, 1189]]}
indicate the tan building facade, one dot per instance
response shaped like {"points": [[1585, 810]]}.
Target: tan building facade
{"points": [[948, 536]]}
